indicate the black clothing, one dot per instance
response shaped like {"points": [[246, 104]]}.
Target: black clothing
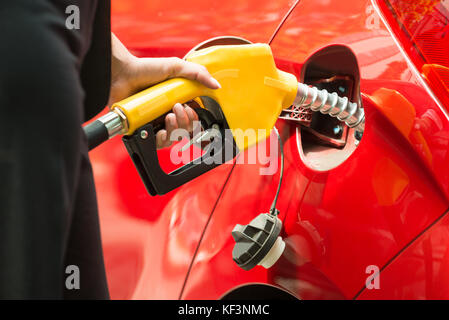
{"points": [[51, 80]]}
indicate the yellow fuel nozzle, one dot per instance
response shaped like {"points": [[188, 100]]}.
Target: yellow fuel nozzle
{"points": [[252, 95]]}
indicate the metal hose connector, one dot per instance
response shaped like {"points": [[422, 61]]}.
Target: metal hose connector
{"points": [[330, 103]]}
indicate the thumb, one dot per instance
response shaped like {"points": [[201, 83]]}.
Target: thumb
{"points": [[193, 71]]}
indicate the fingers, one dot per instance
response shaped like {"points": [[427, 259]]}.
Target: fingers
{"points": [[194, 71], [163, 136], [193, 116], [185, 116], [182, 117], [161, 139]]}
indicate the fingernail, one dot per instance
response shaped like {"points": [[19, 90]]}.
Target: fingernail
{"points": [[169, 119], [173, 121], [177, 108], [164, 136], [217, 83]]}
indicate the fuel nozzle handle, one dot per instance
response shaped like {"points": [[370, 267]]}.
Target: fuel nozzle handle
{"points": [[330, 103]]}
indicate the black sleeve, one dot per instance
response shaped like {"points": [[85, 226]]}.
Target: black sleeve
{"points": [[96, 68], [48, 213]]}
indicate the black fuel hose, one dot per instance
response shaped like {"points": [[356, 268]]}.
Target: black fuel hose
{"points": [[96, 133]]}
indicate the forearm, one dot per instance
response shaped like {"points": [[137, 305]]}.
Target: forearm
{"points": [[120, 57]]}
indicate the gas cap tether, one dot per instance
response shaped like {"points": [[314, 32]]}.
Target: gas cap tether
{"points": [[259, 242]]}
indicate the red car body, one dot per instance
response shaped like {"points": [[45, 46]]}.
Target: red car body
{"points": [[384, 206]]}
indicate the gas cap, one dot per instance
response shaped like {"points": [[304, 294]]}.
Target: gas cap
{"points": [[258, 243]]}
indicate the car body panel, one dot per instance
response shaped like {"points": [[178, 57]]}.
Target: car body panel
{"points": [[172, 28], [337, 223]]}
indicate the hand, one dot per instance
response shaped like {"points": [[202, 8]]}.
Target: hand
{"points": [[131, 75]]}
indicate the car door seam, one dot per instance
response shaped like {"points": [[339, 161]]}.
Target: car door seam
{"points": [[283, 21], [204, 230]]}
